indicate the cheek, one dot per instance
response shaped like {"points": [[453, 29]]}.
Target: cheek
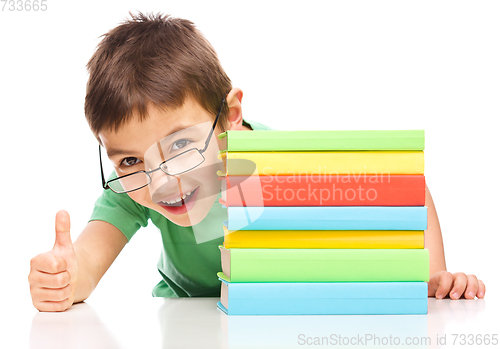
{"points": [[207, 176], [142, 197]]}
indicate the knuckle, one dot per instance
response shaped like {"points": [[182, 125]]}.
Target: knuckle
{"points": [[35, 260], [60, 280], [67, 291], [34, 280], [61, 305], [32, 289], [38, 306], [447, 276], [54, 266], [53, 306], [472, 276], [59, 295], [56, 306], [472, 282], [66, 277], [67, 304], [38, 260], [41, 306]]}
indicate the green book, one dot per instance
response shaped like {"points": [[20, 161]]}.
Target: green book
{"points": [[323, 265], [322, 140]]}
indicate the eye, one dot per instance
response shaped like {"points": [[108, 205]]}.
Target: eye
{"points": [[180, 143], [130, 161]]}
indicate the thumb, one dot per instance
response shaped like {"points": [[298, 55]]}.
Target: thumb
{"points": [[63, 238]]}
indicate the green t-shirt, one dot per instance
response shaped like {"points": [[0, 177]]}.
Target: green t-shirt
{"points": [[188, 268]]}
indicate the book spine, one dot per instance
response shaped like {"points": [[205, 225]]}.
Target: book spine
{"points": [[327, 218], [324, 163], [325, 190]]}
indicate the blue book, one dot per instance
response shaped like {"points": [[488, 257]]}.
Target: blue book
{"points": [[324, 298], [327, 218]]}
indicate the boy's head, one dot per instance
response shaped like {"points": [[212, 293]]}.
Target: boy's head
{"points": [[152, 60], [150, 77]]}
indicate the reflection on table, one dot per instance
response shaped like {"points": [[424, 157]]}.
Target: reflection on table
{"points": [[197, 323]]}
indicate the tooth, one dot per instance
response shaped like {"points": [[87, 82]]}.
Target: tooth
{"points": [[184, 196]]}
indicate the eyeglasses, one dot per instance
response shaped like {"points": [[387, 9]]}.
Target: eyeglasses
{"points": [[178, 164]]}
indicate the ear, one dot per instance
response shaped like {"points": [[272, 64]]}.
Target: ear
{"points": [[235, 115]]}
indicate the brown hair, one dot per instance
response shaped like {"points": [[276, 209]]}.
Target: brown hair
{"points": [[154, 59]]}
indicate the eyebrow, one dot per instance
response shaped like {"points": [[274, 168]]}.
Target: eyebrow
{"points": [[114, 152], [177, 129]]}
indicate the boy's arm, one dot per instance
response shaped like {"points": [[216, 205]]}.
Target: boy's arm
{"points": [[432, 237], [442, 282], [96, 248]]}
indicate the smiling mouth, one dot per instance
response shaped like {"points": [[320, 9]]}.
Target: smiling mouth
{"points": [[179, 201]]}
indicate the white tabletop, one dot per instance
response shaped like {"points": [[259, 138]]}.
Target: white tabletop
{"points": [[197, 323]]}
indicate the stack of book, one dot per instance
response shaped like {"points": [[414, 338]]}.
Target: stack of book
{"points": [[324, 222]]}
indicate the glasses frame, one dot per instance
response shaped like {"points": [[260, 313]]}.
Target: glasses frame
{"points": [[105, 184]]}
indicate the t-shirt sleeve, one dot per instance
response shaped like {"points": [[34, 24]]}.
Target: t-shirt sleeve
{"points": [[121, 211]]}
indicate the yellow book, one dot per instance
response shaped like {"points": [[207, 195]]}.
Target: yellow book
{"points": [[324, 163], [337, 239]]}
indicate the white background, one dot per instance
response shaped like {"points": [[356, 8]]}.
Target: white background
{"points": [[311, 65]]}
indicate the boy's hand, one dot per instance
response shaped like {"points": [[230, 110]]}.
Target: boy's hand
{"points": [[53, 274], [455, 285]]}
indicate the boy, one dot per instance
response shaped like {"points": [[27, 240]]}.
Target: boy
{"points": [[152, 79]]}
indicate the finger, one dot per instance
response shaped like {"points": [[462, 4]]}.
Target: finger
{"points": [[481, 289], [53, 294], [444, 285], [433, 284], [459, 284], [48, 263], [63, 238], [47, 280], [53, 306], [472, 287]]}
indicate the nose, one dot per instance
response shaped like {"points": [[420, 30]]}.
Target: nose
{"points": [[162, 183]]}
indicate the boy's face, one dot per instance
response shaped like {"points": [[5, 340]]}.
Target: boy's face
{"points": [[183, 198]]}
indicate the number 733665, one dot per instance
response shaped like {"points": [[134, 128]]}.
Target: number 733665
{"points": [[24, 5]]}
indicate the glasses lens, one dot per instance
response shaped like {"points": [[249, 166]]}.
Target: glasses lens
{"points": [[183, 162], [129, 182]]}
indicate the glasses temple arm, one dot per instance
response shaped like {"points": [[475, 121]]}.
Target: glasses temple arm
{"points": [[207, 142], [104, 185]]}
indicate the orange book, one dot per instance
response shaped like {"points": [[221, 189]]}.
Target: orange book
{"points": [[324, 190]]}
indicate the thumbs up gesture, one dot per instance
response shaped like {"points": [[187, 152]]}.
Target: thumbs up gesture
{"points": [[53, 274]]}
